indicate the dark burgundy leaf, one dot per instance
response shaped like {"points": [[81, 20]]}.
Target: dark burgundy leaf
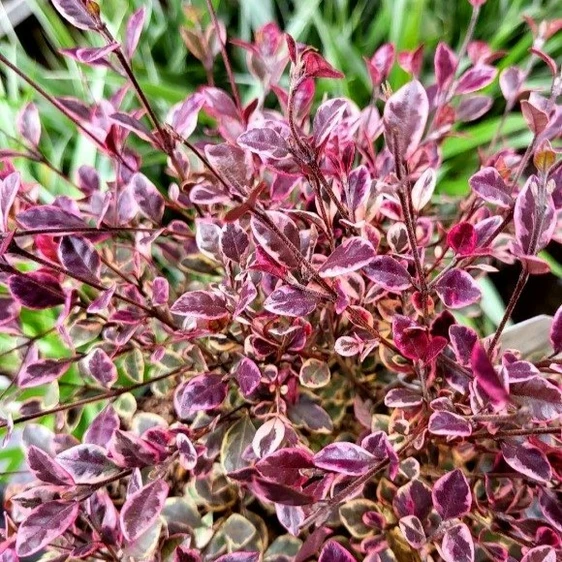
{"points": [[284, 464], [462, 238], [141, 509], [451, 495], [556, 331], [352, 255], [487, 377], [445, 65], [203, 392], [405, 117], [36, 290], [43, 525], [279, 493], [457, 289], [551, 506]]}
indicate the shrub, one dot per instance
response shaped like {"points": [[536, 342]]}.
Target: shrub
{"points": [[261, 354]]}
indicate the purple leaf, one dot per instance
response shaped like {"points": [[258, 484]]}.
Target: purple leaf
{"points": [[87, 464], [203, 392], [160, 290], [487, 377], [44, 524], [230, 162], [36, 290], [451, 495], [327, 117], [402, 398], [46, 468], [511, 80], [457, 289], [540, 554], [352, 255], [284, 464], [200, 304], [528, 460], [291, 517], [132, 124], [473, 107], [187, 451], [29, 125], [49, 216], [462, 238], [411, 339], [268, 437], [273, 244], [463, 340], [389, 273], [240, 556], [358, 187], [101, 430], [42, 372], [141, 509], [290, 301], [551, 506], [405, 117], [234, 242], [556, 331], [423, 189], [149, 200], [76, 13], [133, 32], [413, 531], [414, 498], [449, 424], [131, 451], [80, 258], [542, 399], [248, 376], [344, 458], [475, 79], [445, 66], [489, 185], [458, 545], [535, 117], [265, 142], [90, 55], [9, 188], [334, 552]]}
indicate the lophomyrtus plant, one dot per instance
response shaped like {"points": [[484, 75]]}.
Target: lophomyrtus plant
{"points": [[257, 356]]}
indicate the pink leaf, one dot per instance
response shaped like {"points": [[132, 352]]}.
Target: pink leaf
{"points": [[457, 289], [423, 189], [268, 437], [183, 116], [542, 398], [528, 460], [352, 255], [405, 117], [535, 117], [458, 544], [540, 554], [358, 187], [334, 552], [87, 464], [344, 458], [45, 524], [489, 185], [473, 107], [9, 187], [248, 376], [42, 372], [511, 80], [265, 142], [76, 12], [101, 430], [290, 301], [234, 242], [200, 304], [327, 117], [49, 216], [187, 451], [463, 340], [133, 32], [449, 424], [556, 331], [451, 495], [141, 509], [413, 531], [475, 79], [203, 392], [268, 238], [80, 258], [149, 200], [445, 65], [29, 125]]}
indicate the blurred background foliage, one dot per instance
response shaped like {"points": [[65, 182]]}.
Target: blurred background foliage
{"points": [[345, 31]]}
